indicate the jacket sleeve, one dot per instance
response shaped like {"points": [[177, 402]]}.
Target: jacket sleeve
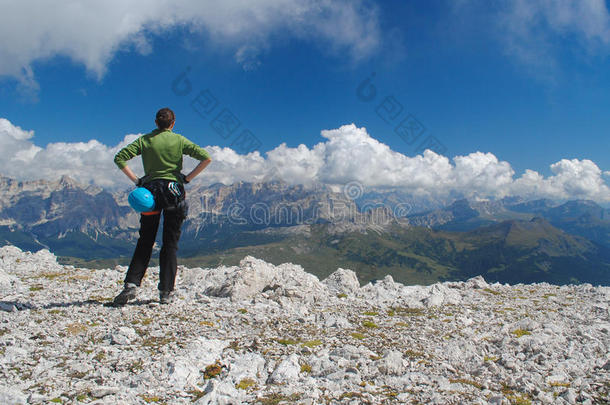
{"points": [[128, 152], [194, 151]]}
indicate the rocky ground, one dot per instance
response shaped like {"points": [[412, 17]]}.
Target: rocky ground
{"points": [[258, 333]]}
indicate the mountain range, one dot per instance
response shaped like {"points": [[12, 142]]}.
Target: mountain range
{"points": [[321, 228]]}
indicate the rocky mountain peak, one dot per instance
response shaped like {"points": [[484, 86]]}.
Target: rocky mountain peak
{"points": [[68, 182]]}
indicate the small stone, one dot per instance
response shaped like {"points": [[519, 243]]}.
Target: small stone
{"points": [[477, 282], [10, 396], [342, 281], [102, 391], [496, 400], [220, 393], [392, 363], [123, 336], [287, 371], [8, 307], [569, 396]]}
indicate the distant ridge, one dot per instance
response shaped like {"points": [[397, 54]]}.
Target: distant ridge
{"points": [[322, 228], [260, 333]]}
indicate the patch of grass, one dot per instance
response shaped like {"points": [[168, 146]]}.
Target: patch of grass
{"points": [[79, 277], [312, 343], [371, 313], [410, 311], [196, 394], [521, 332], [55, 311], [100, 356], [519, 399], [305, 368], [146, 321], [287, 341], [100, 298], [465, 381], [546, 296], [234, 345], [275, 398], [390, 393], [414, 353], [206, 323], [559, 384], [350, 395], [490, 358], [23, 373], [357, 335], [212, 371], [76, 328], [402, 324], [52, 275], [155, 342], [77, 375], [242, 310], [342, 295], [37, 287], [515, 398], [150, 398], [245, 384], [136, 366], [57, 400], [391, 312], [492, 292], [369, 324]]}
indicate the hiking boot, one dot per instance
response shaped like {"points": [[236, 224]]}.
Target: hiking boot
{"points": [[128, 294], [166, 297]]}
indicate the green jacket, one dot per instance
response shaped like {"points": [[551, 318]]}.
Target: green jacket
{"points": [[162, 152]]}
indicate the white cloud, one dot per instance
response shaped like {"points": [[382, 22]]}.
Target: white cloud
{"points": [[90, 162], [347, 154], [571, 179], [537, 32], [91, 33]]}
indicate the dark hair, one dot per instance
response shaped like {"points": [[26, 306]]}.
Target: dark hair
{"points": [[165, 118]]}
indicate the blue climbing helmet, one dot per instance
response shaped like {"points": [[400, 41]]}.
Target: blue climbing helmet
{"points": [[141, 200]]}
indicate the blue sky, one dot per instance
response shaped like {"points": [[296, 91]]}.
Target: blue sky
{"points": [[515, 81]]}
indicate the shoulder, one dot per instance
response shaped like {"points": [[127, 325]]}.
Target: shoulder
{"points": [[149, 135]]}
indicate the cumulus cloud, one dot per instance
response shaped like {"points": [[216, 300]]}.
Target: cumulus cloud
{"points": [[347, 154], [91, 33], [88, 162]]}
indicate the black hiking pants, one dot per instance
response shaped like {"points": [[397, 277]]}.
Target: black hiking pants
{"points": [[168, 262]]}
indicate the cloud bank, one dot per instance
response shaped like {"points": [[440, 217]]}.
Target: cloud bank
{"points": [[347, 154], [90, 33]]}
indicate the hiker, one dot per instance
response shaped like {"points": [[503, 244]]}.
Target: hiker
{"points": [[162, 152]]}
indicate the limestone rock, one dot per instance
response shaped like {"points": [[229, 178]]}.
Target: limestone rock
{"points": [[263, 333], [287, 371], [342, 281]]}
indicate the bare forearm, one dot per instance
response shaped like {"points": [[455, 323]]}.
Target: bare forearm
{"points": [[132, 176], [198, 169]]}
